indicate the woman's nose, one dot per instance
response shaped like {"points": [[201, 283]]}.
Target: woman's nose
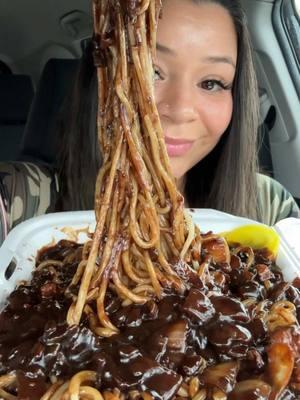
{"points": [[177, 103]]}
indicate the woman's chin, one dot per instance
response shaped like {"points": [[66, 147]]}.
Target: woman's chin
{"points": [[177, 176], [178, 172], [179, 179]]}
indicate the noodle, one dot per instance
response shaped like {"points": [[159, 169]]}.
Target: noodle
{"points": [[136, 173]]}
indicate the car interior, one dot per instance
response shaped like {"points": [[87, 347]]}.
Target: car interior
{"points": [[40, 47], [219, 293]]}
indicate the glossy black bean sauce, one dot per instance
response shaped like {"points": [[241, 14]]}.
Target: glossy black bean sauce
{"points": [[160, 344]]}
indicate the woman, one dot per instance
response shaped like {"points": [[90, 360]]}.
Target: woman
{"points": [[207, 99]]}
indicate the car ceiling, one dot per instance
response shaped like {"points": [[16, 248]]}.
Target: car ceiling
{"points": [[21, 44]]}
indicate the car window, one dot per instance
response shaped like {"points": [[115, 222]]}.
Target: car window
{"points": [[286, 21], [297, 6]]}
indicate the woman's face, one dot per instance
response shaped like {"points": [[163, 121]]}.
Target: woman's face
{"points": [[194, 72]]}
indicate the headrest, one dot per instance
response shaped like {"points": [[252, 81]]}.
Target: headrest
{"points": [[39, 141], [16, 94], [4, 68]]}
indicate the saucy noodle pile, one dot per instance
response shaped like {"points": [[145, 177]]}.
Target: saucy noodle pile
{"points": [[232, 334], [141, 225], [150, 308]]}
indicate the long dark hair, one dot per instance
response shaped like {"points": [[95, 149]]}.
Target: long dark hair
{"points": [[225, 179], [79, 157]]}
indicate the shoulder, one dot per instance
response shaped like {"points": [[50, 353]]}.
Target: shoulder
{"points": [[26, 190], [274, 201]]}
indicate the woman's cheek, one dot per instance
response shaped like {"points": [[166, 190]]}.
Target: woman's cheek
{"points": [[218, 114]]}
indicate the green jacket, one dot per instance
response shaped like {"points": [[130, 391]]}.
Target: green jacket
{"points": [[28, 190]]}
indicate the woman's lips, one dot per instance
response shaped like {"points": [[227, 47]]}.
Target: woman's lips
{"points": [[177, 147]]}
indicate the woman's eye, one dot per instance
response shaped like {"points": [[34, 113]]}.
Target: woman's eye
{"points": [[214, 85], [157, 75]]}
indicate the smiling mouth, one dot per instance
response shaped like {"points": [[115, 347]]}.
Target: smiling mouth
{"points": [[177, 147]]}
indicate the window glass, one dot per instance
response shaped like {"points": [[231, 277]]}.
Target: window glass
{"points": [[286, 20], [297, 6]]}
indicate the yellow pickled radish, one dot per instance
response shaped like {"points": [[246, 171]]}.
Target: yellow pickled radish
{"points": [[256, 236]]}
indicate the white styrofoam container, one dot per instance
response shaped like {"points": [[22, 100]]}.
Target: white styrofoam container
{"points": [[23, 242]]}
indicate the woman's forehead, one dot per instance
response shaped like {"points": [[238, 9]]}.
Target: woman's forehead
{"points": [[203, 27]]}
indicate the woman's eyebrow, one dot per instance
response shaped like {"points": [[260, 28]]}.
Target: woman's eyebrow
{"points": [[210, 59], [164, 49], [220, 59]]}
